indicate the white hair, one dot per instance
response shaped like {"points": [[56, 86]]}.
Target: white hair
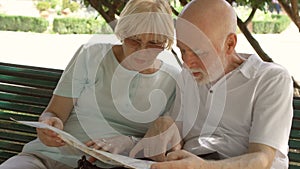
{"points": [[146, 17]]}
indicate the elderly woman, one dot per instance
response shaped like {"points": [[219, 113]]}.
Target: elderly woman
{"points": [[109, 94]]}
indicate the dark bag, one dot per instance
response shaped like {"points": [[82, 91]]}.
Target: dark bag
{"points": [[85, 164]]}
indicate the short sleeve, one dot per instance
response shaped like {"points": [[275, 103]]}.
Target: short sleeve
{"points": [[273, 111], [74, 76]]}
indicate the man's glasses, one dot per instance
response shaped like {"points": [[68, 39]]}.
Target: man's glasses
{"points": [[137, 44]]}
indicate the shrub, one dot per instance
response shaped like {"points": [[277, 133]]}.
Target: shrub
{"points": [[276, 24], [282, 23], [72, 5], [43, 5], [53, 3], [76, 26], [23, 23]]}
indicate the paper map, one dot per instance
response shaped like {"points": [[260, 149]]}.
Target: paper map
{"points": [[106, 157]]}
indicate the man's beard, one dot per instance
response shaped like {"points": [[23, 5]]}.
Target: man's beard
{"points": [[201, 77]]}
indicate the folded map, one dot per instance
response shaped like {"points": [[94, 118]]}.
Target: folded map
{"points": [[106, 157]]}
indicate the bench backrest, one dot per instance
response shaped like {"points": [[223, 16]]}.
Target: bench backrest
{"points": [[294, 141], [25, 92]]}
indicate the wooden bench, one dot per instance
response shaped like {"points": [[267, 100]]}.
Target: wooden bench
{"points": [[25, 92], [294, 141]]}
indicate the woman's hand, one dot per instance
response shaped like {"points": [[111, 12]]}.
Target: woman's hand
{"points": [[48, 137], [115, 145]]}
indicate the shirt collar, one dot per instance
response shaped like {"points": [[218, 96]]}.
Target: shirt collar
{"points": [[250, 66]]}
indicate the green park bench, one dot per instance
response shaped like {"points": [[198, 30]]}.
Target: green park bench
{"points": [[25, 92]]}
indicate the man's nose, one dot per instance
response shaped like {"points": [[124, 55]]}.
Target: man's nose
{"points": [[189, 60]]}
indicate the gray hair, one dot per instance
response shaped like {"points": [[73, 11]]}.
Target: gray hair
{"points": [[146, 17]]}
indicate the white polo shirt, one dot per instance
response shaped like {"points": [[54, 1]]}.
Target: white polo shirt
{"points": [[252, 104]]}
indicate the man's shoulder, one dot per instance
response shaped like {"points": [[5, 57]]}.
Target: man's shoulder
{"points": [[269, 69], [272, 69]]}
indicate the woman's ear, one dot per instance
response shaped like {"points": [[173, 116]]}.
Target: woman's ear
{"points": [[230, 43]]}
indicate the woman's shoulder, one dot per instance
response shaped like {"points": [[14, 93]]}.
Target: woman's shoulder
{"points": [[97, 46], [94, 52]]}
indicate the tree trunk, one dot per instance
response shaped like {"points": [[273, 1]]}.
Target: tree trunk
{"points": [[252, 41], [108, 9], [292, 11]]}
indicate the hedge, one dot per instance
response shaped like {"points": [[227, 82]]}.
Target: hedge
{"points": [[276, 24], [79, 26], [23, 23]]}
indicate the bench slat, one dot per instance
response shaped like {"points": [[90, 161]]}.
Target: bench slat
{"points": [[34, 72], [294, 144], [11, 146], [296, 124], [297, 114], [11, 125], [25, 90], [5, 105], [27, 81], [23, 117], [294, 156], [292, 166], [296, 103], [16, 136], [39, 101], [295, 134]]}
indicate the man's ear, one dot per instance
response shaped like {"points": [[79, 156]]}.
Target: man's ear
{"points": [[230, 43]]}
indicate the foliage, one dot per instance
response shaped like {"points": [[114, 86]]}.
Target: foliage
{"points": [[43, 5], [108, 9], [78, 26], [259, 4], [274, 24], [53, 3], [72, 5], [23, 23], [176, 5]]}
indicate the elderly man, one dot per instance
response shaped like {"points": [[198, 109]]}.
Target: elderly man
{"points": [[230, 104]]}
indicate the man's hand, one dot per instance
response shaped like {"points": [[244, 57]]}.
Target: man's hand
{"points": [[48, 137], [115, 145], [259, 156], [160, 137], [179, 160]]}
